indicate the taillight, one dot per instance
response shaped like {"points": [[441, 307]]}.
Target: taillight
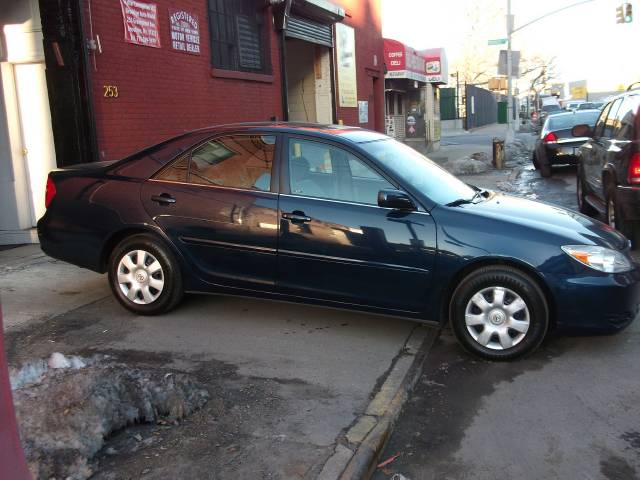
{"points": [[633, 174], [50, 192], [550, 137]]}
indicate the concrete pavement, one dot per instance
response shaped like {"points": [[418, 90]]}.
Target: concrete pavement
{"points": [[286, 380]]}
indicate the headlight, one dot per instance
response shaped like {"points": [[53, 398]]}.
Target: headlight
{"points": [[599, 258]]}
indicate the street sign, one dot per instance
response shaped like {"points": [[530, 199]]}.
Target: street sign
{"points": [[498, 41], [515, 63], [578, 90]]}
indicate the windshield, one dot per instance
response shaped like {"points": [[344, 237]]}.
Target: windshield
{"points": [[417, 170], [551, 108], [559, 122]]}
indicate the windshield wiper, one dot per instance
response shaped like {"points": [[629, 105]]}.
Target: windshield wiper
{"points": [[464, 201]]}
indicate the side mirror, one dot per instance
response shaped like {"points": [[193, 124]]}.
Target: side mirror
{"points": [[395, 199], [581, 130]]}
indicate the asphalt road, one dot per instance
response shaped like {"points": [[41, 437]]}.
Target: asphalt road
{"points": [[570, 411]]}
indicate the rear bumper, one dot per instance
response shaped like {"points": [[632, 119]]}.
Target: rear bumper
{"points": [[629, 201], [595, 302], [562, 154]]}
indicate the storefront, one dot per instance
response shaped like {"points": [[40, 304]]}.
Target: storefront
{"points": [[113, 77], [412, 111]]}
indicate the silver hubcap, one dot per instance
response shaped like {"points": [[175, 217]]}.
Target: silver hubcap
{"points": [[497, 318], [611, 213], [140, 277]]}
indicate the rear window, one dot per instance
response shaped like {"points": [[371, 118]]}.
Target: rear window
{"points": [[551, 108], [559, 122]]}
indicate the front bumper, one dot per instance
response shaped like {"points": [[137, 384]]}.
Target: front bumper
{"points": [[595, 302]]}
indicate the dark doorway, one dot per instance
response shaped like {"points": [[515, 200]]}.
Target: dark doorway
{"points": [[68, 82]]}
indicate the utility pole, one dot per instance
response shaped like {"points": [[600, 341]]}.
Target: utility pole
{"points": [[510, 132]]}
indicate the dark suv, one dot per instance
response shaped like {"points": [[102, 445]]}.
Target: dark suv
{"points": [[609, 165]]}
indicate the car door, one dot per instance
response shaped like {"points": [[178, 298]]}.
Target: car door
{"points": [[590, 153], [218, 204], [605, 149], [337, 244]]}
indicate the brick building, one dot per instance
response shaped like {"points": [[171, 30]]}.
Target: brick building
{"points": [[92, 80]]}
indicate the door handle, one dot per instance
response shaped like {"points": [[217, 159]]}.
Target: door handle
{"points": [[296, 217], [163, 199]]}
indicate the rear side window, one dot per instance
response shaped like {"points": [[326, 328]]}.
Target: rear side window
{"points": [[628, 118], [238, 161]]}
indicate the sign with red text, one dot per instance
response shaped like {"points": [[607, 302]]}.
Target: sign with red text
{"points": [[185, 31], [140, 23]]}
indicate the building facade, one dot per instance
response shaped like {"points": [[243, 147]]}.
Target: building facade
{"points": [[87, 80], [412, 104]]}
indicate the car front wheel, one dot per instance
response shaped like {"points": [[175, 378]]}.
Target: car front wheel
{"points": [[144, 275], [499, 313]]}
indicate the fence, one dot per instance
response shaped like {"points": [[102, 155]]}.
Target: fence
{"points": [[448, 100], [481, 107]]}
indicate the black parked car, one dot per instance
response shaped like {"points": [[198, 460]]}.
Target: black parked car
{"points": [[342, 217], [609, 168], [556, 145]]}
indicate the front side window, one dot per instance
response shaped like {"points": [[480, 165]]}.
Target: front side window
{"points": [[237, 161], [238, 36], [628, 118], [323, 171], [599, 130], [611, 121]]}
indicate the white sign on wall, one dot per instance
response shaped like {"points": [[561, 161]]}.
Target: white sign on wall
{"points": [[185, 32], [363, 111]]}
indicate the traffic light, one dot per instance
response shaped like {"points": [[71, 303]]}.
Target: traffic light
{"points": [[624, 13], [628, 13]]}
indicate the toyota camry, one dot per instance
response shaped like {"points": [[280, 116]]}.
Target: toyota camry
{"points": [[341, 217]]}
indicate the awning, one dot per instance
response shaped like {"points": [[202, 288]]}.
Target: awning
{"points": [[429, 66]]}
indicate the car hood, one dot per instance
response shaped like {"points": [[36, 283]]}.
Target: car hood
{"points": [[572, 226]]}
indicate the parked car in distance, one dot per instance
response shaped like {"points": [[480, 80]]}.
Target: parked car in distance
{"points": [[556, 145], [590, 105], [341, 217], [609, 168], [546, 110], [573, 105]]}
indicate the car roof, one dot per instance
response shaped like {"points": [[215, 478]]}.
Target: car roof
{"points": [[347, 133]]}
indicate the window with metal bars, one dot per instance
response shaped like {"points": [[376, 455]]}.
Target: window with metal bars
{"points": [[238, 35]]}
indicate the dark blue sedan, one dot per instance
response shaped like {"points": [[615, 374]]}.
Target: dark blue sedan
{"points": [[342, 217]]}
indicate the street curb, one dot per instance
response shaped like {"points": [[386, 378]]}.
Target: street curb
{"points": [[367, 437]]}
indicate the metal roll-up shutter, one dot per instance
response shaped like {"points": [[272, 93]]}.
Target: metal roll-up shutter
{"points": [[309, 31]]}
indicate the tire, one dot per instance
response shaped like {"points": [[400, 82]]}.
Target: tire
{"points": [[583, 206], [154, 283], [532, 318], [545, 170], [614, 216], [534, 160]]}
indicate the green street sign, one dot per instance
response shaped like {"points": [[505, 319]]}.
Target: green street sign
{"points": [[498, 41]]}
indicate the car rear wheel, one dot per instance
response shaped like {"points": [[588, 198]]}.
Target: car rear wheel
{"points": [[534, 160], [499, 313], [144, 275], [614, 215], [545, 169]]}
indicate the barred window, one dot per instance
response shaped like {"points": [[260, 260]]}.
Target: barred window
{"points": [[238, 35]]}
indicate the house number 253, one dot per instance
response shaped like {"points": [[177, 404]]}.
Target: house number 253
{"points": [[110, 91]]}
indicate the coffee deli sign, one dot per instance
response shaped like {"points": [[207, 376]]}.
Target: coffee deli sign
{"points": [[405, 62], [185, 32]]}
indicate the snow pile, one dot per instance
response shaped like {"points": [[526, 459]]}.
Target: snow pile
{"points": [[469, 165], [519, 151], [67, 406], [33, 371]]}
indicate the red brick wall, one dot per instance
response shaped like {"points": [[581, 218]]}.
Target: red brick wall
{"points": [[163, 92], [365, 17]]}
